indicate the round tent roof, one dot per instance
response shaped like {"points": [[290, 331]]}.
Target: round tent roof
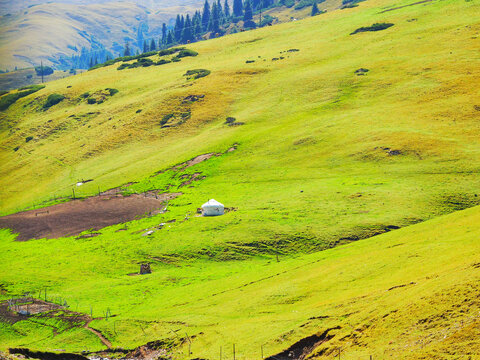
{"points": [[212, 203]]}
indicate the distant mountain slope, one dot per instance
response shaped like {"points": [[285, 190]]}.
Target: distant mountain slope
{"points": [[9, 6], [50, 31]]}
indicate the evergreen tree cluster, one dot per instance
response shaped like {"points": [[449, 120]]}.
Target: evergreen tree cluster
{"points": [[213, 19]]}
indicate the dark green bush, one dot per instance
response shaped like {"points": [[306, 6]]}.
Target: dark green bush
{"points": [[85, 95], [186, 52], [9, 99], [374, 27], [28, 138], [112, 91], [162, 62], [196, 74], [91, 101], [47, 70], [169, 51], [166, 118], [123, 66], [53, 99], [16, 148]]}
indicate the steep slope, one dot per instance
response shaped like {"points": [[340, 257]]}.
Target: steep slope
{"points": [[324, 157]]}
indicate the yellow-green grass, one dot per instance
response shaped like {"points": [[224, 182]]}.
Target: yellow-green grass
{"points": [[310, 172], [407, 294]]}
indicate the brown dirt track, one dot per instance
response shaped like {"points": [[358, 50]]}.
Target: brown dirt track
{"points": [[74, 217]]}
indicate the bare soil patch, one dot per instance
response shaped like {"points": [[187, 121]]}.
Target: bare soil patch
{"points": [[74, 217]]}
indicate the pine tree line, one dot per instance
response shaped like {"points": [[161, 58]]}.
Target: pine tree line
{"points": [[213, 19]]}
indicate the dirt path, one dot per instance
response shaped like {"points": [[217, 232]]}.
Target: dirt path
{"points": [[102, 338], [74, 217]]}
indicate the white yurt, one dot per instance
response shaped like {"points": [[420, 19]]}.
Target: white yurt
{"points": [[212, 208]]}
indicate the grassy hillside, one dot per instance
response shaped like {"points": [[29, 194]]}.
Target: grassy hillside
{"points": [[324, 157]]}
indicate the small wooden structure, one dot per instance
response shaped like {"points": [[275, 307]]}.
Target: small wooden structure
{"points": [[145, 269]]}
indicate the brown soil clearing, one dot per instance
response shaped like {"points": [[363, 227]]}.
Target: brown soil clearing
{"points": [[74, 217]]}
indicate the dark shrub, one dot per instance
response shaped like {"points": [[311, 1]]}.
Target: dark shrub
{"points": [[28, 138], [112, 91], [123, 66], [230, 120], [91, 101], [162, 61], [361, 71], [7, 100], [53, 99], [47, 70], [143, 62], [175, 59], [16, 148], [29, 76], [196, 74], [85, 95], [169, 51], [374, 27], [249, 61], [166, 118], [138, 111], [186, 52]]}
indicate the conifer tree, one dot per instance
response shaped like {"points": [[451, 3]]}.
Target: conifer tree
{"points": [[221, 15], [214, 25], [145, 46], [170, 38], [248, 15], [198, 25], [153, 46], [226, 10], [164, 33], [182, 22], [127, 51], [187, 31], [237, 8], [314, 8], [178, 28], [206, 15]]}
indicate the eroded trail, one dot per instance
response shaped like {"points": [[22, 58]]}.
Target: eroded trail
{"points": [[102, 338]]}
